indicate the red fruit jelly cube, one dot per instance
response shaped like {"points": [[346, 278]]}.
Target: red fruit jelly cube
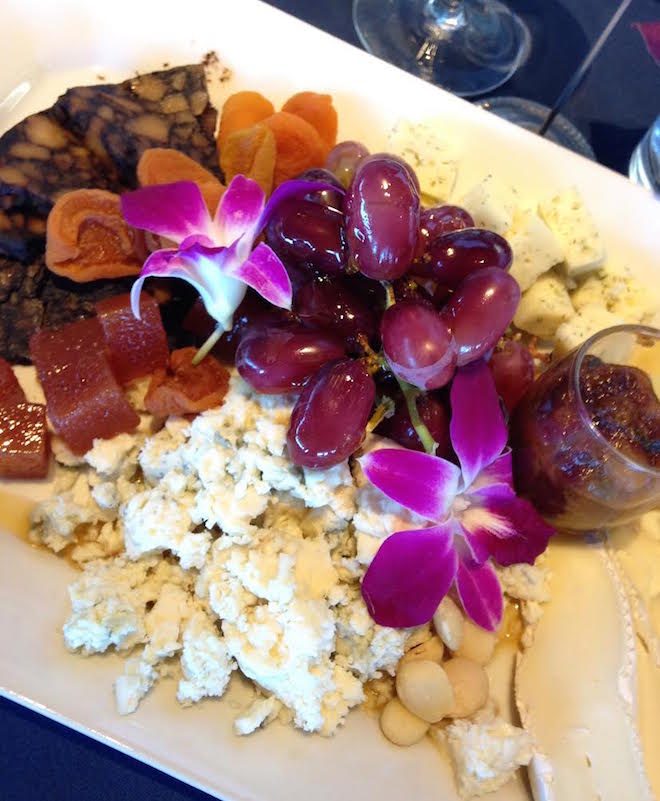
{"points": [[10, 389], [83, 398], [23, 441], [136, 347]]}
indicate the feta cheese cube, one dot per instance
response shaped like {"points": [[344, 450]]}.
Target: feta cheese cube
{"points": [[535, 248], [587, 322], [544, 306], [491, 204], [433, 156], [571, 222]]}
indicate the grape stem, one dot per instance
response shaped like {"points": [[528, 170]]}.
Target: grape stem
{"points": [[411, 393], [204, 350], [384, 409]]}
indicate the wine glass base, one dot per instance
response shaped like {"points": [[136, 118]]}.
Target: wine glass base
{"points": [[530, 115], [468, 48]]}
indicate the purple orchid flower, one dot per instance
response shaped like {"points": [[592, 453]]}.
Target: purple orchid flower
{"points": [[214, 254], [475, 513], [650, 32]]}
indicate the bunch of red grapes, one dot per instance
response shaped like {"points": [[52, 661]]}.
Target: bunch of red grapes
{"points": [[387, 296]]}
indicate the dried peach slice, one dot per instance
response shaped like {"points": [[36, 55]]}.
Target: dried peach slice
{"points": [[318, 111], [164, 165], [186, 388], [299, 145], [87, 238], [242, 110], [250, 152]]}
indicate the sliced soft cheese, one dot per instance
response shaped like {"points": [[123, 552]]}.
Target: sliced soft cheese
{"points": [[544, 306], [591, 319], [535, 248], [434, 157], [572, 224], [620, 292], [576, 686], [492, 204]]}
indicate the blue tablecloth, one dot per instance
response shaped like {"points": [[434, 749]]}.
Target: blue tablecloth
{"points": [[43, 761]]}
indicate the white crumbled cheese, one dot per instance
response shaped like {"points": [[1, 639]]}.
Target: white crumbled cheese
{"points": [[588, 321], [534, 246], [492, 205], [544, 307], [205, 661], [62, 453], [133, 684], [617, 289], [433, 156], [261, 712], [486, 754], [525, 582], [572, 224], [111, 458]]}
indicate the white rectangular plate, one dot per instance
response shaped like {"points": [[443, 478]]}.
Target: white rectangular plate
{"points": [[49, 47]]}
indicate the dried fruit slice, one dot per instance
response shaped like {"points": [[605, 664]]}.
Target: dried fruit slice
{"points": [[88, 239], [187, 389], [163, 165], [318, 111], [299, 146], [251, 152], [10, 389], [23, 441], [242, 110], [83, 397], [136, 347]]}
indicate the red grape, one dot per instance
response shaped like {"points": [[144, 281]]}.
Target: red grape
{"points": [[329, 418], [326, 197], [382, 217], [449, 258], [307, 234], [327, 302], [512, 367], [480, 310], [252, 310], [280, 359], [344, 158], [438, 220], [418, 344], [433, 414]]}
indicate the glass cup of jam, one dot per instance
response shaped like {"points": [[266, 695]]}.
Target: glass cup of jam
{"points": [[586, 436]]}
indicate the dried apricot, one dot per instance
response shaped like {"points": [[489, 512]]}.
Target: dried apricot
{"points": [[299, 145], [87, 238], [186, 388], [250, 152], [242, 110], [318, 111], [164, 165]]}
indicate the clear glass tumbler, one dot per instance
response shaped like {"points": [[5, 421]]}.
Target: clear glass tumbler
{"points": [[644, 167], [586, 437]]}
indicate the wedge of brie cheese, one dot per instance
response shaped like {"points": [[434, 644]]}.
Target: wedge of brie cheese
{"points": [[577, 686]]}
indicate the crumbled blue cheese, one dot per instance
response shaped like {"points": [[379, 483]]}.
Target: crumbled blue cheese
{"points": [[492, 204], [616, 289], [591, 319], [534, 246]]}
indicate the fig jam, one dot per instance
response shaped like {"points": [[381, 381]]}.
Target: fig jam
{"points": [[592, 463]]}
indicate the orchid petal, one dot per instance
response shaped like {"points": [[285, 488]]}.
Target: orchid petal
{"points": [[651, 34], [498, 474], [477, 429], [506, 528], [239, 210], [292, 189], [156, 264], [175, 210], [265, 273], [409, 576], [425, 484], [480, 593]]}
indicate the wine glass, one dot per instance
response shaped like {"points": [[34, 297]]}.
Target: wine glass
{"points": [[468, 47]]}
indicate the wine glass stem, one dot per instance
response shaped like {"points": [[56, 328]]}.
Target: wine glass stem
{"points": [[445, 13]]}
